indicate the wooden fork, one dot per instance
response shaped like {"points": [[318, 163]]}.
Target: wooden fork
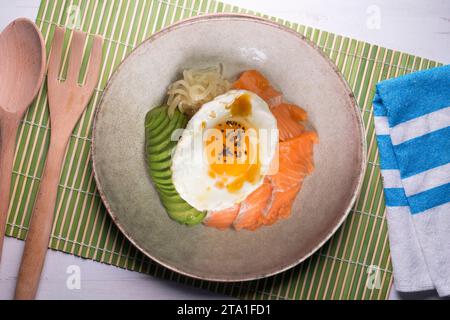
{"points": [[67, 101]]}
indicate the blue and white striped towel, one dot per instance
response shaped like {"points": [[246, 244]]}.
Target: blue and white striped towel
{"points": [[412, 123]]}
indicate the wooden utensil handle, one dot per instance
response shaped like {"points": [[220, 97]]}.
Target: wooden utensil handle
{"points": [[8, 131], [38, 236]]}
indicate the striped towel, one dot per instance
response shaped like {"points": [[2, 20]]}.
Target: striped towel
{"points": [[412, 123]]}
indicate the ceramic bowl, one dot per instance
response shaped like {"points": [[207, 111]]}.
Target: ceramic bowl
{"points": [[304, 75]]}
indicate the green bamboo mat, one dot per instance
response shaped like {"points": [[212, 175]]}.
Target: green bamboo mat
{"points": [[354, 264]]}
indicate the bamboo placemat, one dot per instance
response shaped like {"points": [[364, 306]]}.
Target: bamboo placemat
{"points": [[354, 264]]}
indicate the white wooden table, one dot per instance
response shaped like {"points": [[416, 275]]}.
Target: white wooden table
{"points": [[419, 27]]}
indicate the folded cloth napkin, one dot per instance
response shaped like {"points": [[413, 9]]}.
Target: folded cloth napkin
{"points": [[412, 123]]}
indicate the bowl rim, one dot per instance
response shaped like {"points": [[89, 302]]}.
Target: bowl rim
{"points": [[351, 98]]}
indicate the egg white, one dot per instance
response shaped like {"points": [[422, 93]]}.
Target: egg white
{"points": [[190, 168]]}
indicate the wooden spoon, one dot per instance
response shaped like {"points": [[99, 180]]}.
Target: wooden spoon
{"points": [[22, 70], [67, 101]]}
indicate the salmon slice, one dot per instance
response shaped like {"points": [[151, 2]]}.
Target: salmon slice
{"points": [[280, 206], [222, 219], [250, 213], [295, 159], [274, 199], [288, 117], [254, 81], [295, 163], [297, 113]]}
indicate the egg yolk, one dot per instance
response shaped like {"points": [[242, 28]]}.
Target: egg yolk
{"points": [[232, 149]]}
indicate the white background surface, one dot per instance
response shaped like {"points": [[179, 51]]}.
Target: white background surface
{"points": [[419, 27]]}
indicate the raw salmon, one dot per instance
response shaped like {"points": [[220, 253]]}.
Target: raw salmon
{"points": [[295, 163], [254, 81], [222, 219], [295, 160], [274, 199], [280, 205], [250, 213], [288, 118]]}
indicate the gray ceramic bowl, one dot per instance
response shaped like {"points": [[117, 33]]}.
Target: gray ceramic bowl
{"points": [[304, 75]]}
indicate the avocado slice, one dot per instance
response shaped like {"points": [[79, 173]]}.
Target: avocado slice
{"points": [[163, 175], [166, 135], [170, 195], [166, 188], [154, 117], [163, 155], [176, 206], [159, 128], [189, 217], [193, 217], [160, 165], [162, 182], [159, 147], [173, 197], [164, 141], [156, 137]]}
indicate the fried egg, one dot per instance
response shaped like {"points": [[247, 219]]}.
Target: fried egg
{"points": [[225, 151]]}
